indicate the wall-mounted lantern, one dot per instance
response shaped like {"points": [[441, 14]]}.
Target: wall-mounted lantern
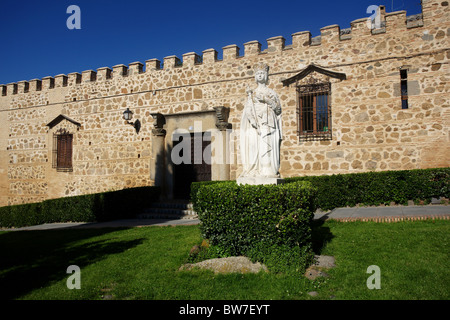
{"points": [[128, 115]]}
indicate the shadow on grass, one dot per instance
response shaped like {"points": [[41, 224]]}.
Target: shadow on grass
{"points": [[34, 259], [321, 235]]}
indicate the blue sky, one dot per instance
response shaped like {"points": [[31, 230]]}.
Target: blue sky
{"points": [[35, 41]]}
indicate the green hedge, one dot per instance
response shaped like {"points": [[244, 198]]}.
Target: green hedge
{"points": [[375, 188], [258, 221], [371, 188], [86, 208], [196, 185]]}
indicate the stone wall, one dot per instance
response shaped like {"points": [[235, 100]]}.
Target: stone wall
{"points": [[370, 131]]}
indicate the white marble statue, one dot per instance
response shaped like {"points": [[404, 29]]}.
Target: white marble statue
{"points": [[261, 131]]}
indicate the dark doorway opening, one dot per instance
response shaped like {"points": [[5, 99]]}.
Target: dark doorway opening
{"points": [[198, 166]]}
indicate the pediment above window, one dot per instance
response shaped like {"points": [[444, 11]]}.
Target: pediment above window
{"points": [[63, 124], [313, 74]]}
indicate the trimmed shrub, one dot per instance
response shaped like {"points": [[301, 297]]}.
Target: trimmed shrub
{"points": [[282, 258], [20, 215], [123, 204], [78, 208], [372, 188], [104, 206], [255, 220], [196, 185], [375, 188]]}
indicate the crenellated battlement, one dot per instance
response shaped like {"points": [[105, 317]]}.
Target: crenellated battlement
{"points": [[433, 11]]}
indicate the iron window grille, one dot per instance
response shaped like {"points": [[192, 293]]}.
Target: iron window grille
{"points": [[314, 111]]}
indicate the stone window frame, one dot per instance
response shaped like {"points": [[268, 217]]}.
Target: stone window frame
{"points": [[63, 129], [305, 84]]}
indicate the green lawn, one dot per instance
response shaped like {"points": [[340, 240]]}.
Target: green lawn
{"points": [[142, 263]]}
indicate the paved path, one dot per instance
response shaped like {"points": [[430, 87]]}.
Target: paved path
{"points": [[124, 223], [387, 213], [393, 213]]}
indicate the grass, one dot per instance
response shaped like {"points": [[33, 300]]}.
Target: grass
{"points": [[412, 257], [142, 263]]}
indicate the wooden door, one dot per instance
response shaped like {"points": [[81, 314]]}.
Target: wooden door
{"points": [[197, 169]]}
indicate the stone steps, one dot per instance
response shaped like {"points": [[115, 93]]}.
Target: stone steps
{"points": [[169, 210]]}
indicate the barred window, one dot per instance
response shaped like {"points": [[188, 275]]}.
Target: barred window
{"points": [[62, 152], [314, 111]]}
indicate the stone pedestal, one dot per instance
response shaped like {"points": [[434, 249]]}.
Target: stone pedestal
{"points": [[259, 180]]}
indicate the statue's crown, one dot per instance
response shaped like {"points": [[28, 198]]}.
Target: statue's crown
{"points": [[261, 66]]}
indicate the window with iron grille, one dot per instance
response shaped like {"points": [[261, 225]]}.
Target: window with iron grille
{"points": [[62, 152], [314, 111]]}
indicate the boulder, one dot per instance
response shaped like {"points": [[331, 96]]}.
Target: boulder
{"points": [[314, 272], [320, 265], [227, 265], [324, 261]]}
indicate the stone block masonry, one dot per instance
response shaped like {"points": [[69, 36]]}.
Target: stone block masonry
{"points": [[369, 129]]}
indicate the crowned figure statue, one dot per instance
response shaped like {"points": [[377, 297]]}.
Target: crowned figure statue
{"points": [[261, 132]]}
